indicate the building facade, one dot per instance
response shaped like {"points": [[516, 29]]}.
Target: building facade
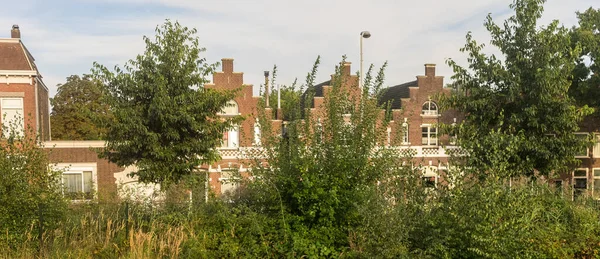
{"points": [[414, 113], [23, 95]]}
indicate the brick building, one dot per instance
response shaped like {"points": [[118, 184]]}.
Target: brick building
{"points": [[415, 114], [23, 95]]}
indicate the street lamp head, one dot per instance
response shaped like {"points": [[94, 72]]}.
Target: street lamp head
{"points": [[365, 34]]}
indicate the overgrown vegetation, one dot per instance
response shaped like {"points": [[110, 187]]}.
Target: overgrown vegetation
{"points": [[323, 185]]}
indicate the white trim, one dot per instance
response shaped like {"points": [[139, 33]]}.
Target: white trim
{"points": [[15, 79], [18, 72], [74, 144], [10, 40]]}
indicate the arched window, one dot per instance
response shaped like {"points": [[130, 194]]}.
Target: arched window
{"points": [[230, 109], [231, 135], [429, 108]]}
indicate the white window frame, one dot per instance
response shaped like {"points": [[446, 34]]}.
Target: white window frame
{"points": [[230, 109], [79, 168], [229, 179], [231, 136], [587, 150], [430, 172], [6, 123], [596, 148], [426, 109], [574, 179], [405, 133], [430, 139], [594, 187]]}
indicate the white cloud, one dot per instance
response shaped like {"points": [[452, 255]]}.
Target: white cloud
{"points": [[290, 34]]}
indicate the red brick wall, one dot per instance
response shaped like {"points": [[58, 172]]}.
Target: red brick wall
{"points": [[44, 113], [227, 79]]}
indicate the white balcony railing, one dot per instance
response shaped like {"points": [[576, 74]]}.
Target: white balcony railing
{"points": [[416, 151]]}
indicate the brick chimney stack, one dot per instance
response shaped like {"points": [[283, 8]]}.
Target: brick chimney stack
{"points": [[429, 69], [227, 65], [15, 33], [346, 68]]}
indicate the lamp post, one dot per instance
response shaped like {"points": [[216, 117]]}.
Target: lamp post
{"points": [[363, 35]]}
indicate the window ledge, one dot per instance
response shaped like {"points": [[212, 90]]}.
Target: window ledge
{"points": [[431, 115]]}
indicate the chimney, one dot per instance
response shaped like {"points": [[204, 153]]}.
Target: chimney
{"points": [[346, 68], [267, 87], [429, 69], [227, 65], [15, 33]]}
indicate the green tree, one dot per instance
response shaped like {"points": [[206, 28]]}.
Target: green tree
{"points": [[586, 75], [166, 122], [322, 169], [290, 97], [30, 191], [80, 110], [519, 117]]}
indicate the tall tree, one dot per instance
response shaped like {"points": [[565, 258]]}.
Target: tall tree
{"points": [[519, 117], [586, 75], [166, 122], [80, 110]]}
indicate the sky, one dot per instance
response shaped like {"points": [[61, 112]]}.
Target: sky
{"points": [[67, 36]]}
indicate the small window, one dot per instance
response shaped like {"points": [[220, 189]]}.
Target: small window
{"points": [[429, 177], [584, 150], [429, 108], [405, 140], [11, 111], [580, 182], [428, 135], [231, 138], [230, 180], [78, 180], [230, 109], [596, 151]]}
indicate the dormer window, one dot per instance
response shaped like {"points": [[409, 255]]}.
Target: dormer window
{"points": [[429, 108]]}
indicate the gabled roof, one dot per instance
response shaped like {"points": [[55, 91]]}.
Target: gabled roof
{"points": [[14, 56], [394, 93]]}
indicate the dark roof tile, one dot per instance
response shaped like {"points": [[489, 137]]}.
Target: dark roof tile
{"points": [[394, 93]]}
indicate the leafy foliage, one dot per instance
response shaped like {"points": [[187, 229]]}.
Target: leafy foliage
{"points": [[320, 171], [166, 122], [586, 75], [80, 110], [30, 191], [519, 117]]}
